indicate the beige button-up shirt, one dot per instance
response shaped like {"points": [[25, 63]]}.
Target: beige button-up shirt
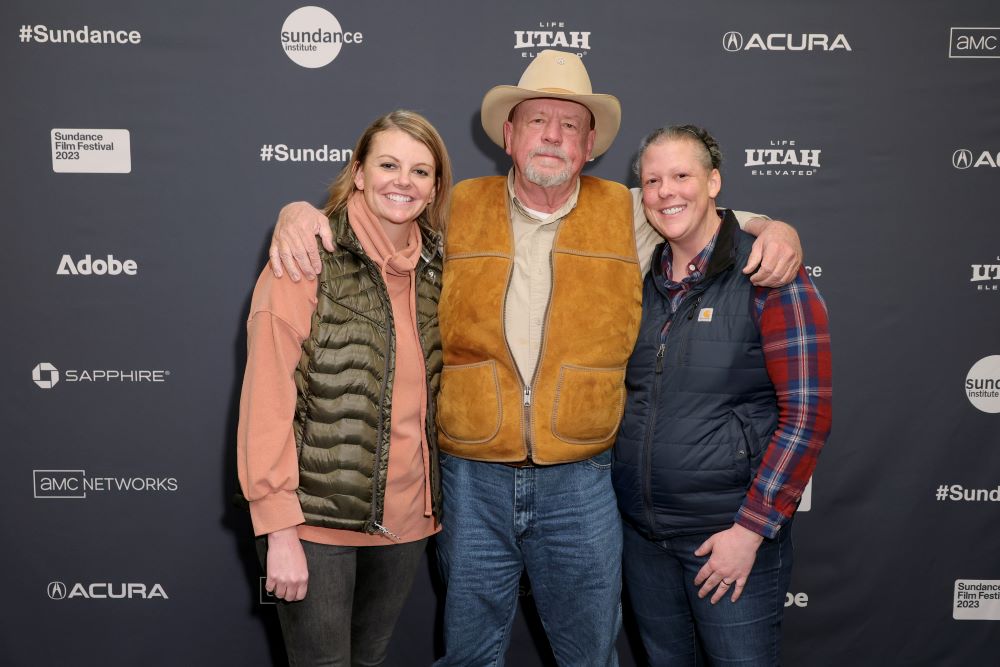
{"points": [[531, 278]]}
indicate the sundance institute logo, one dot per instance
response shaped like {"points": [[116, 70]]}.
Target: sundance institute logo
{"points": [[312, 37]]}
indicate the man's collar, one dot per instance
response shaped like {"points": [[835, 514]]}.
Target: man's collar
{"points": [[559, 213]]}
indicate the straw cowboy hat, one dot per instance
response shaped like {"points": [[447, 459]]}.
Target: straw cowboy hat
{"points": [[561, 76]]}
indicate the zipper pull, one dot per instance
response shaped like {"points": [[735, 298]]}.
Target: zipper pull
{"points": [[694, 308], [388, 533], [527, 397], [659, 357]]}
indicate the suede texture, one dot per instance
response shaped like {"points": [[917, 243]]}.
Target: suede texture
{"points": [[591, 325]]}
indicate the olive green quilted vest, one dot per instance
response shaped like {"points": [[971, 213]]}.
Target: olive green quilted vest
{"points": [[344, 380]]}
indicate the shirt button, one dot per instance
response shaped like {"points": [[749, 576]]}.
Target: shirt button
{"points": [[691, 267]]}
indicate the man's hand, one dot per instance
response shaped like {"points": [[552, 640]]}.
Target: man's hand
{"points": [[287, 572], [733, 552], [293, 243], [776, 254]]}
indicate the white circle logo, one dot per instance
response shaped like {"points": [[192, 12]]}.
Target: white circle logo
{"points": [[312, 37], [45, 375], [732, 41], [962, 158], [982, 384], [56, 590]]}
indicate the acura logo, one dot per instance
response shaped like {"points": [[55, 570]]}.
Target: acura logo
{"points": [[732, 41], [56, 590], [45, 375], [962, 158]]}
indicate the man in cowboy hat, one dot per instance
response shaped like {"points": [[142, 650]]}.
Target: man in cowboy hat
{"points": [[539, 311]]}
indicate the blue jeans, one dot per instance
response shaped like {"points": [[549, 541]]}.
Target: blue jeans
{"points": [[559, 523], [675, 623]]}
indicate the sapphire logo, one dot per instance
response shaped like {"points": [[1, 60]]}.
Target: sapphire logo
{"points": [[732, 41], [56, 590], [45, 375]]}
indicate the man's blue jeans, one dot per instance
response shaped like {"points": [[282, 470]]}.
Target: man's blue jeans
{"points": [[561, 524], [673, 621]]}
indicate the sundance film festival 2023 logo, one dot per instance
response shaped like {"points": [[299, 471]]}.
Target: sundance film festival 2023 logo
{"points": [[312, 37], [976, 600], [735, 41], [782, 157], [105, 590], [982, 384], [551, 35], [76, 484], [963, 158], [46, 376], [91, 151]]}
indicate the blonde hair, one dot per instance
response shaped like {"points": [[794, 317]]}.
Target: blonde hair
{"points": [[434, 217]]}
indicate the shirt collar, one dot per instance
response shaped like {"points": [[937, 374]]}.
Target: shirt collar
{"points": [[696, 269]]}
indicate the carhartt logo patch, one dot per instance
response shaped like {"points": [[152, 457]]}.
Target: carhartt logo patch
{"points": [[705, 315]]}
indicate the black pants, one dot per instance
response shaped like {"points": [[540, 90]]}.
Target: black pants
{"points": [[354, 597]]}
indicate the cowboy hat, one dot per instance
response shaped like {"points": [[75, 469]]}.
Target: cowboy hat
{"points": [[561, 76]]}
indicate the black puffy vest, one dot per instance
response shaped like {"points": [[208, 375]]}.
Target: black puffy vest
{"points": [[701, 408], [344, 380]]}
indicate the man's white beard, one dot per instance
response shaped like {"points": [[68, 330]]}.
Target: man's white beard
{"points": [[547, 179]]}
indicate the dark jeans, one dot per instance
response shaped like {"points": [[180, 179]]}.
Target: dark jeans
{"points": [[675, 623], [354, 598]]}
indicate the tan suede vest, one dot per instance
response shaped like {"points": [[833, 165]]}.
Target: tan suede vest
{"points": [[571, 410]]}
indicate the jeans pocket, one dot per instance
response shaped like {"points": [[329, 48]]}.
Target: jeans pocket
{"points": [[601, 461]]}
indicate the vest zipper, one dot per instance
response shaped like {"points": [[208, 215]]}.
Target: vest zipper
{"points": [[389, 352], [388, 533], [526, 389], [647, 451]]}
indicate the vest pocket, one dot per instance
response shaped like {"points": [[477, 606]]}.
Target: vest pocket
{"points": [[468, 404], [588, 404]]}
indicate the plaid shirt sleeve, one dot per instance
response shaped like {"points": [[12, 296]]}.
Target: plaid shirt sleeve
{"points": [[795, 337]]}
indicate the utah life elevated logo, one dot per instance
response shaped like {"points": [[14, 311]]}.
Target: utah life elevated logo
{"points": [[551, 35], [780, 41], [782, 157], [986, 277]]}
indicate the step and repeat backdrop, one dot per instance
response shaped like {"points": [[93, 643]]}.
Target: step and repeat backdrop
{"points": [[150, 146]]}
